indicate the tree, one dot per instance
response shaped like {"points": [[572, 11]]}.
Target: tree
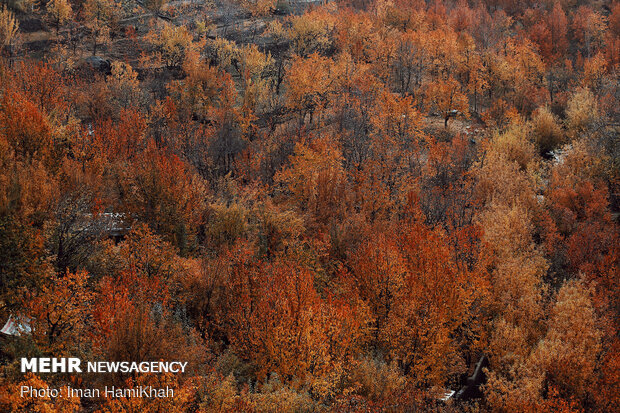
{"points": [[274, 317], [397, 126], [477, 82], [311, 33], [124, 86], [357, 35], [258, 7], [78, 226], [60, 11], [316, 180], [173, 43], [22, 251], [136, 293], [432, 313], [558, 28], [594, 70], [569, 352], [410, 62], [155, 6], [27, 197], [379, 272], [517, 269], [581, 238], [540, 34], [589, 29], [26, 128], [308, 85], [581, 112], [9, 27], [522, 72], [99, 16], [198, 93], [446, 97], [60, 312], [160, 190], [547, 130], [549, 31]]}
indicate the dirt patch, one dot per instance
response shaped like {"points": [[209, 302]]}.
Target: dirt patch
{"points": [[469, 127]]}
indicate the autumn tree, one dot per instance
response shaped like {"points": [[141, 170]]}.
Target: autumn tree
{"points": [[60, 310], [588, 27], [379, 271], [258, 7], [547, 130], [311, 33], [274, 318], [60, 11], [570, 349], [124, 87], [132, 312], [423, 342], [316, 180], [99, 16], [308, 85], [558, 30], [198, 93], [161, 190], [446, 97], [22, 249], [9, 27], [581, 112], [172, 43], [27, 194], [155, 6], [411, 61], [517, 269], [27, 129], [580, 237]]}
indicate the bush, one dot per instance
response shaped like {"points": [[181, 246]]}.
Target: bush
{"points": [[547, 132]]}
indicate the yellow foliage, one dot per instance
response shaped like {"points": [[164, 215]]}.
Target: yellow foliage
{"points": [[311, 32], [228, 222], [315, 178], [375, 380], [594, 69], [505, 174], [513, 145], [570, 350], [226, 51], [60, 10], [581, 112], [173, 42], [124, 85], [8, 27], [548, 133], [308, 83]]}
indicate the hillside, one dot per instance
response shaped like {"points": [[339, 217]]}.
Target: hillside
{"points": [[338, 206]]}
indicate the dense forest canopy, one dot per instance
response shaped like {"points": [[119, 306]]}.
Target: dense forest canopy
{"points": [[320, 206]]}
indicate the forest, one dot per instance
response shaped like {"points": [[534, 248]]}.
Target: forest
{"points": [[320, 206]]}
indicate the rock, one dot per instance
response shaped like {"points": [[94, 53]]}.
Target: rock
{"points": [[472, 390], [98, 64]]}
